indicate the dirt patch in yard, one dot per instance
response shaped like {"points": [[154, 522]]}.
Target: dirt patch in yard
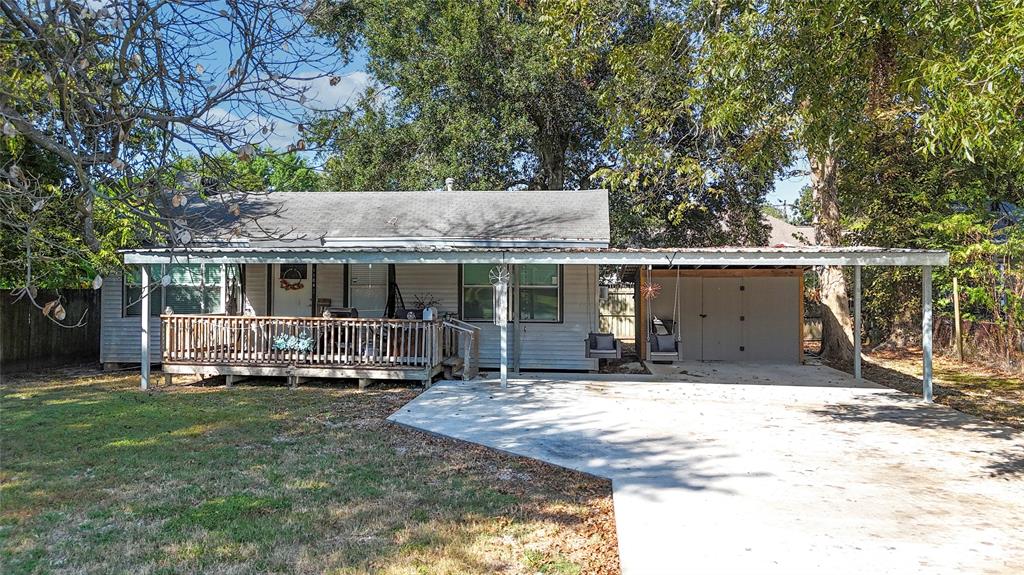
{"points": [[981, 391], [198, 478]]}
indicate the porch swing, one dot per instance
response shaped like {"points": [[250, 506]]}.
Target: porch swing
{"points": [[664, 346]]}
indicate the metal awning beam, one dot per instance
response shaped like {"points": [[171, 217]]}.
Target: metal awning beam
{"points": [[710, 258]]}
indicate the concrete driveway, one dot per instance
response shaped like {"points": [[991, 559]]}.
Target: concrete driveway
{"points": [[766, 469]]}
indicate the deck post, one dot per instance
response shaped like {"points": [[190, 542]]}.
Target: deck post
{"points": [[926, 332], [856, 323], [364, 382], [144, 314]]}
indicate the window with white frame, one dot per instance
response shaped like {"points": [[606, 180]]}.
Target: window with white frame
{"points": [[539, 292], [132, 291], [477, 293], [193, 288]]}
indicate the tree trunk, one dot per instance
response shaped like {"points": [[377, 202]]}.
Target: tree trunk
{"points": [[552, 166], [836, 323]]}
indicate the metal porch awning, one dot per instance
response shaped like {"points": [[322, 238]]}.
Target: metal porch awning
{"points": [[724, 256], [802, 256]]}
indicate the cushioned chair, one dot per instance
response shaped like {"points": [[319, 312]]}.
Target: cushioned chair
{"points": [[603, 346], [663, 347]]}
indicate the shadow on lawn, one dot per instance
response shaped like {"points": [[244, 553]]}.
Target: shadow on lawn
{"points": [[918, 415], [315, 479], [973, 394]]}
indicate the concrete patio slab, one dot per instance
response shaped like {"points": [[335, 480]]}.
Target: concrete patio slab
{"points": [[802, 474]]}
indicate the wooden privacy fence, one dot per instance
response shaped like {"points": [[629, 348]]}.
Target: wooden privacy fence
{"points": [[28, 340], [618, 313], [306, 341]]}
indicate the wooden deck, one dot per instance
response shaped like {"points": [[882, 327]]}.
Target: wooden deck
{"points": [[311, 347]]}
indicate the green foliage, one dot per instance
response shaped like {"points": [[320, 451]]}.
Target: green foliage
{"points": [[549, 95], [471, 94], [970, 77], [266, 171]]}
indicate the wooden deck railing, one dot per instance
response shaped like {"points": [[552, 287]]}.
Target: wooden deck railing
{"points": [[305, 341]]}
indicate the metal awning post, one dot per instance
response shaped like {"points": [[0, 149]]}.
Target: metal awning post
{"points": [[144, 314], [501, 278], [856, 323], [926, 332]]}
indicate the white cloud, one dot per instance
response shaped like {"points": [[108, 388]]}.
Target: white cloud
{"points": [[322, 96], [280, 134]]}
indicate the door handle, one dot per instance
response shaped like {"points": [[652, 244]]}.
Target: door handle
{"points": [[703, 315]]}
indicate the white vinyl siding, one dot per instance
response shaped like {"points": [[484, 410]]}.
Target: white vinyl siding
{"points": [[552, 345], [437, 282], [545, 346], [330, 283], [254, 300], [120, 336]]}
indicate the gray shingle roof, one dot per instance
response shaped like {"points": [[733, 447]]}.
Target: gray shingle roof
{"points": [[784, 233], [310, 218]]}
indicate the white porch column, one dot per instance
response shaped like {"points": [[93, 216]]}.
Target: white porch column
{"points": [[144, 314], [926, 331], [856, 323]]}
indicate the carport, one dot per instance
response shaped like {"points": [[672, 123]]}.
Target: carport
{"points": [[761, 287]]}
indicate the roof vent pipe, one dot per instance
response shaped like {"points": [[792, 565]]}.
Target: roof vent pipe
{"points": [[449, 184]]}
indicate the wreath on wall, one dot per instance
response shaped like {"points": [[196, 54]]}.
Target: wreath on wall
{"points": [[291, 283]]}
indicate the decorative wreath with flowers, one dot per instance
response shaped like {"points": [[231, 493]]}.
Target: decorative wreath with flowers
{"points": [[291, 283]]}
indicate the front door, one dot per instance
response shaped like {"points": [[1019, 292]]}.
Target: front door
{"points": [[293, 290]]}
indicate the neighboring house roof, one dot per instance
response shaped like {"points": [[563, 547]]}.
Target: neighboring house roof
{"points": [[784, 233], [436, 218], [1008, 216]]}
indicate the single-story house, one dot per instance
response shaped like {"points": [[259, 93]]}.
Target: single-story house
{"points": [[334, 284]]}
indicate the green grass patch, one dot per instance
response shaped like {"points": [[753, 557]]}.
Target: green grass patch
{"points": [[100, 477]]}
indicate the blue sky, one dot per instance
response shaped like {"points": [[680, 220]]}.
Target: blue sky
{"points": [[321, 95], [788, 189]]}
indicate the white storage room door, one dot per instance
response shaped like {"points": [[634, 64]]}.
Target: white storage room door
{"points": [[740, 319], [771, 330], [722, 337]]}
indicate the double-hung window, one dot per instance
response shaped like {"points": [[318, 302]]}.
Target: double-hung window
{"points": [[477, 293], [193, 289], [539, 292], [133, 290]]}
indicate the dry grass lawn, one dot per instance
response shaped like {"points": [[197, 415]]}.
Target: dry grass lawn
{"points": [[976, 390], [98, 477]]}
